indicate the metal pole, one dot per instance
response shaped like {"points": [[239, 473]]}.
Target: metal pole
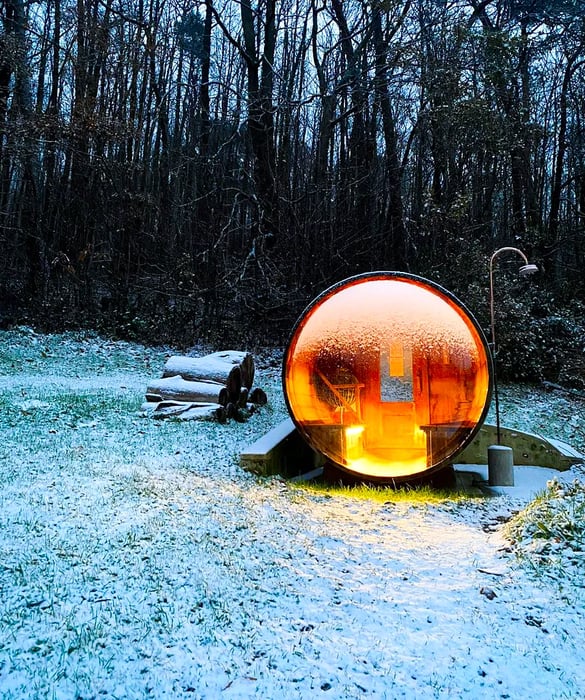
{"points": [[493, 330], [500, 457], [493, 348]]}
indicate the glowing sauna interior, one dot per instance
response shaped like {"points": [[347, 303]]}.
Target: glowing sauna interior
{"points": [[387, 375]]}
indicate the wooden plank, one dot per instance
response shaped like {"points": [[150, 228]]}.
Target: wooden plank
{"points": [[270, 440], [283, 451], [307, 476], [185, 410]]}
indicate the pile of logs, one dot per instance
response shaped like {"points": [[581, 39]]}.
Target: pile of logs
{"points": [[214, 387]]}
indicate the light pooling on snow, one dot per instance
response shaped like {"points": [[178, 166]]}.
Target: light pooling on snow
{"points": [[387, 375]]}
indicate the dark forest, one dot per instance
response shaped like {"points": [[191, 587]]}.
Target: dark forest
{"points": [[174, 170]]}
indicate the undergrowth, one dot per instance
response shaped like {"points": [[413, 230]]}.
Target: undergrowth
{"points": [[549, 534]]}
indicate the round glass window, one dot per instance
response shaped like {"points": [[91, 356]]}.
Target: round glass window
{"points": [[387, 375]]}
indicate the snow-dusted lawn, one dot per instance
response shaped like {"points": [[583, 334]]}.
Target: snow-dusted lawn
{"points": [[138, 560]]}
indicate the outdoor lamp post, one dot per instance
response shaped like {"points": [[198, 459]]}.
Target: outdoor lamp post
{"points": [[500, 458]]}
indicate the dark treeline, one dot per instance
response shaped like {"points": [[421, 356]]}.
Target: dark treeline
{"points": [[180, 169]]}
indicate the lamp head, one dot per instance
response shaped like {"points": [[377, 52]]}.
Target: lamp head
{"points": [[528, 269]]}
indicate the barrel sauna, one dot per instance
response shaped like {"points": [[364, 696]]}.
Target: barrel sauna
{"points": [[388, 376]]}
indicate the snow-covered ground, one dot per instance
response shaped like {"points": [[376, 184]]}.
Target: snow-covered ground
{"points": [[138, 560]]}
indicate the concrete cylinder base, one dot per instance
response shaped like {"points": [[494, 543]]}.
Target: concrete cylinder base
{"points": [[500, 465]]}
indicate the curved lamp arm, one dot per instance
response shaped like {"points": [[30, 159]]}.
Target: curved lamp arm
{"points": [[526, 269]]}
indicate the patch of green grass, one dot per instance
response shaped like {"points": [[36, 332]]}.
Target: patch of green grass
{"points": [[48, 423], [47, 406], [85, 407], [415, 495]]}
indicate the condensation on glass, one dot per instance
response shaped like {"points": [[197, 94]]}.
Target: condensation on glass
{"points": [[387, 375]]}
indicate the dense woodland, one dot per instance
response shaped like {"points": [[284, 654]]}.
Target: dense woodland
{"points": [[173, 169]]}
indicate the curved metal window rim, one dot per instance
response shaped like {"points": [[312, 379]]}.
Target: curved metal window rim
{"points": [[423, 282]]}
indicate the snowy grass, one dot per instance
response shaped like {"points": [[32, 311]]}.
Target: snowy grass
{"points": [[549, 534], [138, 560], [548, 413]]}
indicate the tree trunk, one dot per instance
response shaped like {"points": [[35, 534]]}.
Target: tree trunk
{"points": [[179, 389], [234, 368], [260, 73], [394, 231], [557, 180], [186, 411]]}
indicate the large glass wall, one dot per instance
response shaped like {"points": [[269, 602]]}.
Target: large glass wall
{"points": [[387, 375]]}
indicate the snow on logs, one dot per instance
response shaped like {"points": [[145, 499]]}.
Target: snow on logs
{"points": [[214, 387], [234, 368]]}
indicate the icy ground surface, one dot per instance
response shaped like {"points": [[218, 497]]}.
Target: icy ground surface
{"points": [[138, 560]]}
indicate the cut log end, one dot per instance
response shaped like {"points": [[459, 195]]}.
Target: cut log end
{"points": [[258, 396]]}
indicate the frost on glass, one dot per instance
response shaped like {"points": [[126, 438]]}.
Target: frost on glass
{"points": [[387, 376]]}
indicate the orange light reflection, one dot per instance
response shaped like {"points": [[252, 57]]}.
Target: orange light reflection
{"points": [[387, 376]]}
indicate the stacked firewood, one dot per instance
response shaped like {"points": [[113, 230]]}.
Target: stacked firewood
{"points": [[214, 387]]}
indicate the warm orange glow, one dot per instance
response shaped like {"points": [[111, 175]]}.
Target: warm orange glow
{"points": [[387, 375]]}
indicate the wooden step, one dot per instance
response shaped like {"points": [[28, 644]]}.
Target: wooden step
{"points": [[283, 451]]}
